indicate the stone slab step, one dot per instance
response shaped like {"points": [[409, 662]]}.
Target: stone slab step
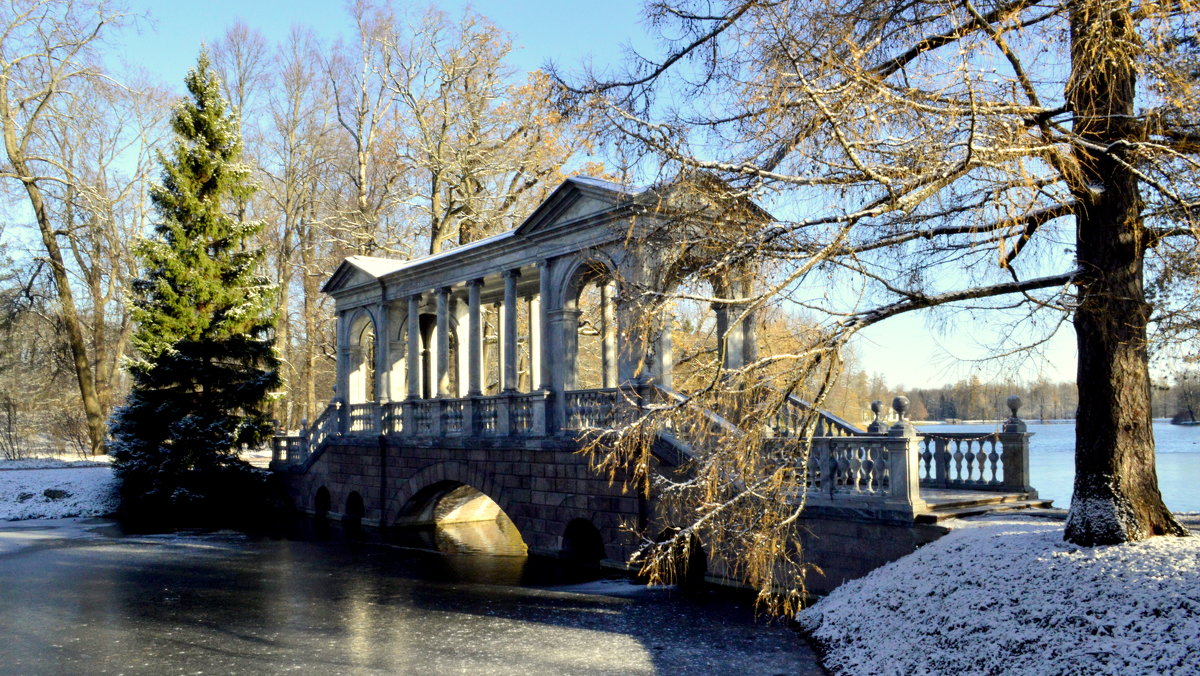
{"points": [[976, 510], [945, 500]]}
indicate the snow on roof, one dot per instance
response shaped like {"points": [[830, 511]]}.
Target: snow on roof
{"points": [[374, 266], [607, 185], [1008, 595]]}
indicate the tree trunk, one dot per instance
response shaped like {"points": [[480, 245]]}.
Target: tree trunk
{"points": [[1116, 497]]}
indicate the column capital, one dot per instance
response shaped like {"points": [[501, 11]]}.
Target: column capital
{"points": [[511, 273], [476, 282], [444, 291]]}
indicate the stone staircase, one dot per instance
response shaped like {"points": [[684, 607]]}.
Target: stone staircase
{"points": [[945, 504]]}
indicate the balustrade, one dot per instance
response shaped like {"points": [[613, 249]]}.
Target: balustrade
{"points": [[452, 416], [487, 415], [789, 421], [393, 418], [591, 409], [425, 413], [521, 412], [364, 419]]}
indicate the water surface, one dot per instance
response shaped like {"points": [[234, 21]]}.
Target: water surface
{"points": [[76, 600]]}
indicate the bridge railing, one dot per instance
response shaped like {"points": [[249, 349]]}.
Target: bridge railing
{"points": [[790, 418], [864, 470], [364, 418], [295, 449], [964, 460], [591, 409]]}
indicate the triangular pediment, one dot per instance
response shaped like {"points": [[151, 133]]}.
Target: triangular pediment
{"points": [[577, 198], [358, 270]]}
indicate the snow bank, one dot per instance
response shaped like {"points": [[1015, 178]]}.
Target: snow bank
{"points": [[1005, 595], [57, 493]]}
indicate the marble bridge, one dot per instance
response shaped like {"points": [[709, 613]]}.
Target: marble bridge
{"points": [[478, 371]]}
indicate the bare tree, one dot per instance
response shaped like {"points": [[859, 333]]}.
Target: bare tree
{"points": [[45, 56], [298, 160], [1040, 156], [480, 149], [363, 108]]}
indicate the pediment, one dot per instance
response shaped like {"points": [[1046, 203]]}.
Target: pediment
{"points": [[576, 198], [359, 270]]}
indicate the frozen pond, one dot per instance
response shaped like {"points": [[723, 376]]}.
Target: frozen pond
{"points": [[77, 598], [1052, 460]]}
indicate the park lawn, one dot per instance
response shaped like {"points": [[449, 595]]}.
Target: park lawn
{"points": [[1006, 595]]}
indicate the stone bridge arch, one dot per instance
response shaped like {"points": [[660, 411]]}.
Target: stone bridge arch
{"points": [[412, 498]]}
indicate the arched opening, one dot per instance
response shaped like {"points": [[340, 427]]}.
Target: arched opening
{"points": [[353, 515], [582, 544], [429, 358], [591, 323], [322, 502], [687, 564], [455, 518], [363, 378]]}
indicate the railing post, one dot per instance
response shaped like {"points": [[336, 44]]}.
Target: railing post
{"points": [[304, 434], [408, 410], [503, 415], [537, 415], [468, 416], [343, 416], [1014, 440], [436, 417], [904, 447]]}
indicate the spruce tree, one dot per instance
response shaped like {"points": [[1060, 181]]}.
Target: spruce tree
{"points": [[205, 362]]}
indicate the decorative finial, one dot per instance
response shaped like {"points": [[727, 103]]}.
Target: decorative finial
{"points": [[900, 406], [1014, 404], [877, 426]]}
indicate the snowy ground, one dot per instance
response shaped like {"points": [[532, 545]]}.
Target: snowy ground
{"points": [[54, 491], [1006, 595]]}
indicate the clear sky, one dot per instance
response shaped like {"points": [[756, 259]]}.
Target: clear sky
{"points": [[904, 349]]}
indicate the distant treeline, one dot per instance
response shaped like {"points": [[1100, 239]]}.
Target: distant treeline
{"points": [[973, 399]]}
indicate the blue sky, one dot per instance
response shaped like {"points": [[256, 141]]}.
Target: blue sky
{"points": [[904, 349], [566, 31]]}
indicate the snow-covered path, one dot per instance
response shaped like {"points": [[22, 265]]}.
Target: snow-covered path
{"points": [[57, 492]]}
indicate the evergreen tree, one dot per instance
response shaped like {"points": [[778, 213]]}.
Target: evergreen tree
{"points": [[205, 361]]}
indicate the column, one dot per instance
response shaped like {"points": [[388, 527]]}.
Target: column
{"points": [[546, 345], [442, 389], [414, 346], [509, 341], [608, 335], [342, 386], [383, 358], [664, 352], [749, 332], [474, 339], [534, 341]]}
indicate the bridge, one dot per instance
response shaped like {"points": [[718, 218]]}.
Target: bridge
{"points": [[485, 369]]}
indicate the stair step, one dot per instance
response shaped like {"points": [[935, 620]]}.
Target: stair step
{"points": [[941, 504], [976, 510]]}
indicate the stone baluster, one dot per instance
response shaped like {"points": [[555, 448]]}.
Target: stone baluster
{"points": [[904, 449], [1014, 441]]}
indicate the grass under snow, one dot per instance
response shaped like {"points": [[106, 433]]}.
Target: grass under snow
{"points": [[1006, 595]]}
